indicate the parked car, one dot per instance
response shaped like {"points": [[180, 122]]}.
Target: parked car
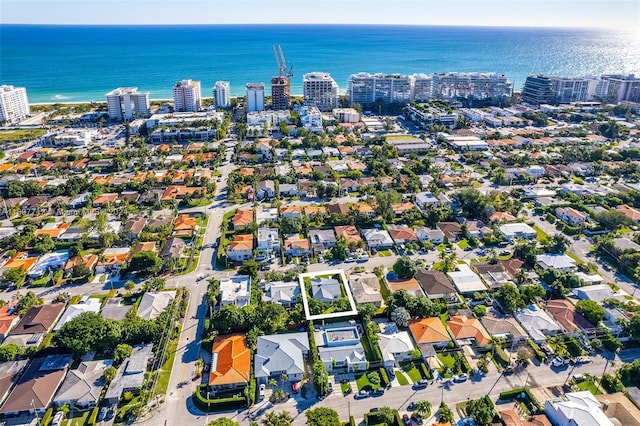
{"points": [[461, 377], [262, 390], [416, 418], [378, 392], [362, 394], [374, 409], [406, 419], [557, 362], [59, 417]]}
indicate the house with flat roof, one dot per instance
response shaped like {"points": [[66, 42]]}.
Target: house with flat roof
{"points": [[561, 262], [537, 323], [235, 290], [466, 281], [600, 292], [82, 386], [48, 262], [130, 376], [230, 363], [268, 243], [322, 239], [512, 231], [37, 386], [339, 348], [281, 353]]}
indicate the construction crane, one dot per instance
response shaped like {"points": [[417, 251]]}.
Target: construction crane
{"points": [[282, 63]]}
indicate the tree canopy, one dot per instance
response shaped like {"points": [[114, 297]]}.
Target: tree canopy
{"points": [[405, 267], [145, 263], [591, 310], [509, 298], [323, 416]]}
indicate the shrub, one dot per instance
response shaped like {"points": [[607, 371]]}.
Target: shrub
{"points": [[93, 418], [46, 419]]}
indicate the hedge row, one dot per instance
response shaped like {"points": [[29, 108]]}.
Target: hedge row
{"points": [[384, 377], [540, 356], [372, 419], [501, 357], [425, 371], [46, 419], [514, 393], [220, 404], [93, 418]]}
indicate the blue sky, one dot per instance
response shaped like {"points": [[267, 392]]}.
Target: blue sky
{"points": [[538, 13]]}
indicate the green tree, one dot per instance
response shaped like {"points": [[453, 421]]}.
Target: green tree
{"points": [[14, 276], [109, 374], [121, 352], [532, 292], [612, 219], [44, 244], [423, 408], [405, 267], [634, 327], [444, 413], [27, 301], [282, 418], [323, 416], [129, 285], [145, 263], [509, 298], [480, 311], [558, 243], [591, 310], [228, 319], [9, 352], [82, 334], [155, 284], [341, 247], [480, 410], [374, 378], [387, 415], [249, 267], [400, 316], [290, 225]]}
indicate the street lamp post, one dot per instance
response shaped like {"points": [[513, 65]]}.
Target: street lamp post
{"points": [[36, 413]]}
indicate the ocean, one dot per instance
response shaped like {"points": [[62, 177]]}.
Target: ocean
{"points": [[83, 63]]}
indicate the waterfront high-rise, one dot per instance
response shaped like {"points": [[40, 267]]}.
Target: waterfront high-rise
{"points": [[537, 90], [255, 97], [365, 88], [570, 89], [320, 90], [622, 88], [14, 105], [187, 96], [125, 103], [280, 89], [422, 87], [222, 94], [472, 86]]}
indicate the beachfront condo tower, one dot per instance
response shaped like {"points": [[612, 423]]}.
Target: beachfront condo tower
{"points": [[14, 105], [320, 90], [222, 94], [125, 103], [187, 96], [255, 97]]}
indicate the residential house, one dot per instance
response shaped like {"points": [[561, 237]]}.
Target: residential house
{"points": [[313, 211], [20, 260], [35, 324], [114, 309], [434, 236], [281, 292], [629, 212], [53, 230], [111, 260], [365, 288], [377, 239], [185, 226], [241, 248], [288, 189], [235, 290], [104, 200], [402, 234], [493, 274], [242, 219], [499, 217], [153, 304], [294, 212], [410, 285], [143, 246], [266, 189], [451, 230], [561, 262], [396, 346], [436, 284], [265, 214], [576, 408], [565, 314], [8, 320], [37, 386], [326, 289], [88, 260], [134, 227], [172, 248], [268, 243], [10, 373], [571, 216], [504, 327], [468, 331], [350, 233], [82, 386], [537, 323], [400, 208], [429, 331], [322, 239], [364, 209], [230, 363], [466, 281], [601, 292], [339, 348], [338, 208], [131, 374], [426, 201], [513, 231], [281, 354], [73, 311], [296, 246]]}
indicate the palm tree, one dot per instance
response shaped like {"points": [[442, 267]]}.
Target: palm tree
{"points": [[423, 408], [277, 419]]}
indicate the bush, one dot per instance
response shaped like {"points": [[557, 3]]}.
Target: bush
{"points": [[515, 393], [93, 418], [384, 378], [252, 391], [425, 371], [540, 356], [46, 419], [220, 404]]}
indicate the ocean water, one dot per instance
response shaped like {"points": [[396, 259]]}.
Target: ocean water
{"points": [[82, 63]]}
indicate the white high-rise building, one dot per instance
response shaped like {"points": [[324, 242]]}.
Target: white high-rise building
{"points": [[14, 105], [187, 96], [365, 88], [472, 86], [570, 89], [422, 87], [255, 97], [222, 94], [320, 90], [125, 103]]}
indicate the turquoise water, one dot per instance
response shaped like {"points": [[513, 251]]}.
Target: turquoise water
{"points": [[82, 63]]}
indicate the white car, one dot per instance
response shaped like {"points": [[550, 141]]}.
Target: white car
{"points": [[57, 419], [262, 389]]}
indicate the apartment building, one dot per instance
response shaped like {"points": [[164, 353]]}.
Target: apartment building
{"points": [[222, 94], [187, 96], [472, 86], [14, 105], [255, 97], [365, 88], [320, 90], [280, 90], [125, 103]]}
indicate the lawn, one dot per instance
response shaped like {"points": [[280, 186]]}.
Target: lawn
{"points": [[22, 134], [591, 386], [402, 379], [384, 253], [164, 374], [412, 370], [363, 383], [541, 235], [345, 387], [463, 244], [447, 360], [78, 420]]}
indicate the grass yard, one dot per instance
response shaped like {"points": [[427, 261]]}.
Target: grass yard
{"points": [[363, 383], [400, 137], [412, 371], [402, 379], [165, 372], [463, 244], [447, 360], [591, 386], [541, 235], [345, 387], [385, 253], [574, 257], [20, 135], [80, 420]]}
